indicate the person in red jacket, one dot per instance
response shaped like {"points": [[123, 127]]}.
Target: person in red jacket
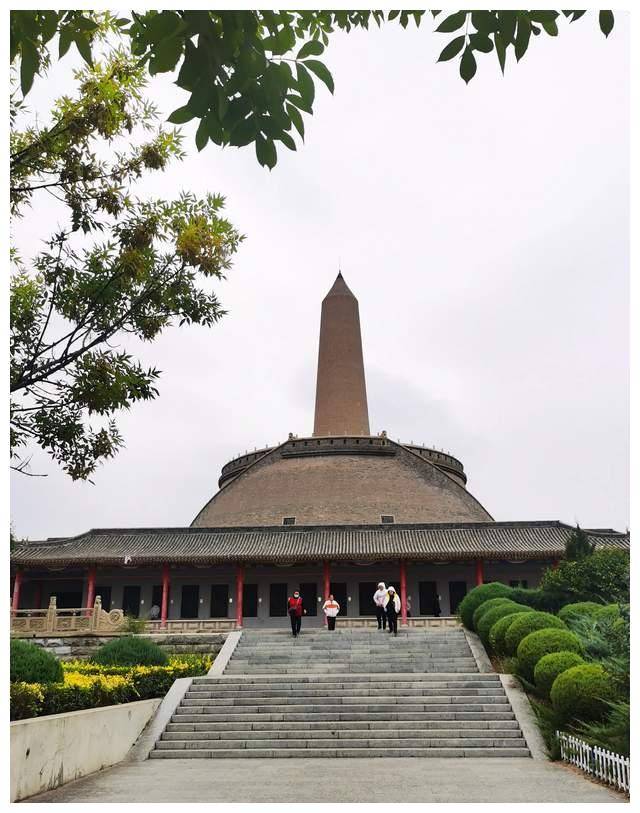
{"points": [[295, 610]]}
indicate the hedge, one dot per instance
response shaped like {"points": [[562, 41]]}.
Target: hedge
{"points": [[499, 630], [550, 666], [89, 685], [542, 642], [570, 612], [502, 611], [521, 627], [548, 601], [131, 651], [609, 612], [477, 596], [581, 693], [32, 664], [487, 605]]}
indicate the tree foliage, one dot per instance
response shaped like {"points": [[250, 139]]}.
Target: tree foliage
{"points": [[578, 545], [601, 577], [122, 266], [251, 75]]}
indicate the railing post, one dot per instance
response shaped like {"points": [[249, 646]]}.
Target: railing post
{"points": [[52, 615], [95, 613]]}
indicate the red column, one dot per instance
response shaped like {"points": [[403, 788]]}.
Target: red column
{"points": [[403, 592], [164, 609], [17, 584], [479, 572], [326, 583], [91, 588], [239, 590], [555, 563]]}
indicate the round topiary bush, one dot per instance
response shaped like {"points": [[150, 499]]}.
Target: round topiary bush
{"points": [[501, 611], [477, 596], [609, 612], [550, 666], [542, 642], [131, 651], [499, 630], [490, 604], [32, 664], [521, 627], [581, 609], [581, 693]]}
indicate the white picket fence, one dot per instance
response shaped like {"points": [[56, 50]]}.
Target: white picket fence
{"points": [[605, 765]]}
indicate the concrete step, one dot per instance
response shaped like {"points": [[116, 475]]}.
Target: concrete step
{"points": [[293, 692], [388, 716], [346, 725], [290, 753], [327, 708], [261, 669], [446, 696], [342, 734], [399, 678], [330, 742]]}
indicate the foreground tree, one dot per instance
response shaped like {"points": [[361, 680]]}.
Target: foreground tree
{"points": [[578, 545], [74, 303], [250, 75]]}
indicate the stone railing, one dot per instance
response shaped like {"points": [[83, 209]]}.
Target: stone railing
{"points": [[424, 622], [186, 625], [76, 621]]}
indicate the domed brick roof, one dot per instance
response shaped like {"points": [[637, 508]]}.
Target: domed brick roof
{"points": [[340, 481]]}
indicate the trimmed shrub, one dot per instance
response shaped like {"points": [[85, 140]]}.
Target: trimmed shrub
{"points": [[499, 630], [130, 651], [522, 627], [582, 692], [550, 666], [490, 604], [477, 596], [542, 642], [502, 611], [609, 612], [548, 601], [32, 664], [25, 700], [571, 612]]}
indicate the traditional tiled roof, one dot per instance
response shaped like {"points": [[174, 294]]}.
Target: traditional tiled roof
{"points": [[433, 542]]}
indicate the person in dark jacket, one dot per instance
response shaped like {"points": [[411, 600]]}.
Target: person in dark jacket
{"points": [[392, 607], [295, 610]]}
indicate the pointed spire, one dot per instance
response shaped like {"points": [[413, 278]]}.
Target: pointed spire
{"points": [[341, 393]]}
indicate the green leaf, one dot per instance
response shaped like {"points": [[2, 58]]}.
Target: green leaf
{"points": [[266, 152], [296, 118], [501, 50], [507, 21], [452, 23], [166, 55], [49, 25], [214, 128], [299, 103], [84, 47], [244, 132], [551, 27], [393, 15], [287, 141], [485, 22], [523, 36], [313, 48], [181, 115], [29, 64], [481, 42], [164, 24], [321, 71], [202, 135], [606, 22], [65, 42], [468, 65], [452, 49], [306, 88]]}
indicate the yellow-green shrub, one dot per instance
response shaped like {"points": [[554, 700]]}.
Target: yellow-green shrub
{"points": [[550, 666], [25, 700]]}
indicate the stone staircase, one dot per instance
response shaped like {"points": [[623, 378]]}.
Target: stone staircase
{"points": [[347, 693]]}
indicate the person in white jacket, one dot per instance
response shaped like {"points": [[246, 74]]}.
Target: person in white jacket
{"points": [[331, 608], [392, 606], [379, 598]]}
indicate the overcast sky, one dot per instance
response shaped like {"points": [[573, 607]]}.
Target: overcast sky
{"points": [[484, 230]]}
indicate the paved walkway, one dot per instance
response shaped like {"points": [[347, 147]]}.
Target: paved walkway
{"points": [[335, 780]]}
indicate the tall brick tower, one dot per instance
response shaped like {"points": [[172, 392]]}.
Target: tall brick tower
{"points": [[341, 392]]}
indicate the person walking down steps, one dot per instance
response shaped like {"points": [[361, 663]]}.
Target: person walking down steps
{"points": [[379, 598], [331, 608], [295, 610], [392, 607]]}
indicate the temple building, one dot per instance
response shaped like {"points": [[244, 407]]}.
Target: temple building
{"points": [[335, 511]]}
